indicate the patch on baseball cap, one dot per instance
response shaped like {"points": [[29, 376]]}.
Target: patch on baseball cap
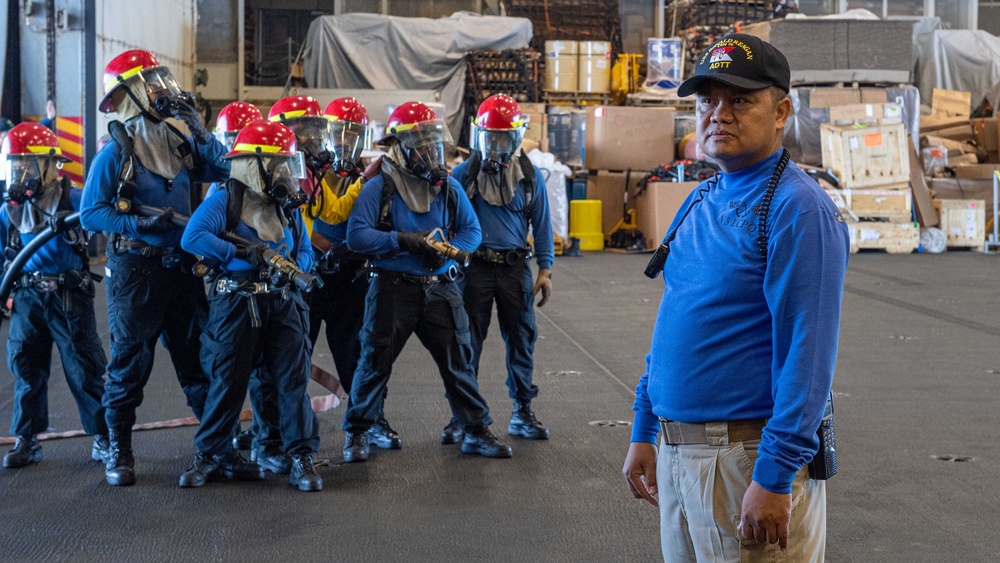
{"points": [[740, 60]]}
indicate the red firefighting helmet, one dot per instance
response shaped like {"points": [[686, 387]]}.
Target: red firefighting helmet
{"points": [[123, 67], [294, 106]]}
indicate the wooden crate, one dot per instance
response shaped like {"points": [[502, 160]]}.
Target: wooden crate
{"points": [[894, 238], [895, 205], [963, 222], [865, 157]]}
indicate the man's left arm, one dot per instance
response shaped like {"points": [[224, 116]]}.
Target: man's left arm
{"points": [[209, 165], [304, 256], [803, 285]]}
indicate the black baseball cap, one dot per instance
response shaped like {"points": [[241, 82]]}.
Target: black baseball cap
{"points": [[740, 60]]}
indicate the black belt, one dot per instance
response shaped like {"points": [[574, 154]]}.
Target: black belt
{"points": [[449, 276], [121, 244], [47, 283], [510, 257]]}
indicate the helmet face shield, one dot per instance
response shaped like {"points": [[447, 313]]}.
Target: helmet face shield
{"points": [[158, 81], [290, 167], [497, 146], [311, 134], [346, 141], [280, 176], [24, 176], [227, 138]]}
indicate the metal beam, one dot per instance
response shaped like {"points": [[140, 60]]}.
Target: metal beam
{"points": [[89, 80], [241, 52]]}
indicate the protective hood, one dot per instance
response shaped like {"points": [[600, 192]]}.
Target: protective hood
{"points": [[499, 188], [416, 192], [32, 216], [260, 211]]}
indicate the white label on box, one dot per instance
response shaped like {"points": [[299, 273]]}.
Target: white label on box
{"points": [[868, 235], [854, 236], [970, 223], [956, 231], [602, 64], [868, 110], [853, 143], [880, 199]]}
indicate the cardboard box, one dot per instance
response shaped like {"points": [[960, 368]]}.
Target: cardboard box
{"points": [[963, 221], [866, 157], [951, 103], [987, 136], [609, 188], [861, 112], [976, 171], [656, 207], [957, 188], [622, 138]]}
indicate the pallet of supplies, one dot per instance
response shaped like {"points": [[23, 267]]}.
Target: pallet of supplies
{"points": [[866, 156], [893, 203], [894, 238], [963, 222]]}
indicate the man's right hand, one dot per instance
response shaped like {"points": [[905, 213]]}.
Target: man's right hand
{"points": [[159, 223], [640, 471], [253, 255], [415, 243]]}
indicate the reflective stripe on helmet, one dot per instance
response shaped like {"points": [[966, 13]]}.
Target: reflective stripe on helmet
{"points": [[288, 115], [251, 148], [122, 77]]}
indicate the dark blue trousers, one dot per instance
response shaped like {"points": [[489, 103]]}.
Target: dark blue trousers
{"points": [[510, 287], [233, 348], [340, 303], [147, 301], [64, 317], [395, 309]]}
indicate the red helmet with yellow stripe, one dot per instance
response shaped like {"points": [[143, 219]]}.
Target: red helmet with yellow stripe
{"points": [[232, 119], [140, 65], [264, 138], [29, 159], [422, 136], [304, 116], [32, 139], [497, 131], [348, 135]]}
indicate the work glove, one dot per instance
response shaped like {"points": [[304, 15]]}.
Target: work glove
{"points": [[373, 169], [189, 115], [159, 223], [543, 283], [57, 222], [253, 255], [415, 243]]}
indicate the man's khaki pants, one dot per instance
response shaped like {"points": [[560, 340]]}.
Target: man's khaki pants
{"points": [[701, 490]]}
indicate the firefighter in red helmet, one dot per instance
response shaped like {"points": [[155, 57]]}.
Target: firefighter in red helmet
{"points": [[508, 194], [53, 297], [258, 319], [413, 290], [152, 292]]}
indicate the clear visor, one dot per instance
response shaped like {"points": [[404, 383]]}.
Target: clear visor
{"points": [[20, 170], [159, 82], [227, 138], [290, 167], [426, 133], [496, 144], [347, 139], [311, 133]]}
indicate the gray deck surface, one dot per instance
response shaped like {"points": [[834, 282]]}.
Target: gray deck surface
{"points": [[918, 376]]}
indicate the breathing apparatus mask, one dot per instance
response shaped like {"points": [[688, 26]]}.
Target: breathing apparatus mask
{"points": [[346, 140], [163, 93], [496, 146], [280, 177], [25, 177], [424, 147], [312, 138]]}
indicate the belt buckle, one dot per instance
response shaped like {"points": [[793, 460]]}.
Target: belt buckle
{"points": [[46, 286], [261, 287], [222, 286]]}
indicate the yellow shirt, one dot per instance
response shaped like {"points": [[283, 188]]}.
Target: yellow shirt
{"points": [[331, 208]]}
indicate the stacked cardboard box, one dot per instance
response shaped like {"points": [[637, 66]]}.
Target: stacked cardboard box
{"points": [[622, 145]]}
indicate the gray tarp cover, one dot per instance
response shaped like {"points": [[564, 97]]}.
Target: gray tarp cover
{"points": [[960, 59], [393, 53]]}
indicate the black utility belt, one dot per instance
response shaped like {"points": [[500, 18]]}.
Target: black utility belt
{"points": [[223, 286], [450, 275], [121, 244], [510, 257], [47, 283]]}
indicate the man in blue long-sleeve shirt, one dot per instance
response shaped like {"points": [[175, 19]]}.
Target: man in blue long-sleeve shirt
{"points": [[413, 290], [745, 342], [508, 194], [53, 298], [258, 319], [151, 290]]}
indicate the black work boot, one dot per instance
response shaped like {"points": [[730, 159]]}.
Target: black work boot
{"points": [[452, 434], [271, 457], [205, 466], [485, 443], [523, 423], [243, 440], [383, 436], [101, 448], [119, 469], [356, 447], [26, 451], [233, 466], [304, 475]]}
